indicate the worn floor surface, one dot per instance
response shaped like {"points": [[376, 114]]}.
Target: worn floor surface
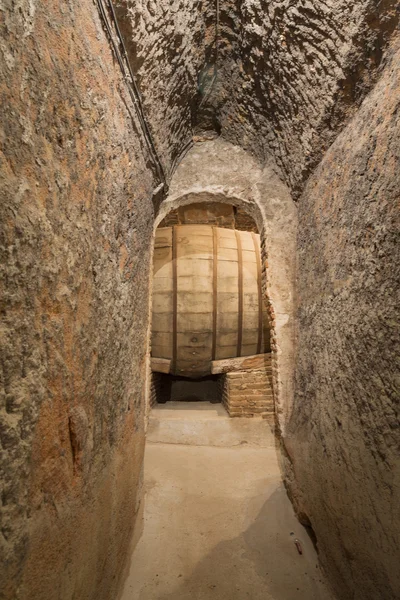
{"points": [[217, 522]]}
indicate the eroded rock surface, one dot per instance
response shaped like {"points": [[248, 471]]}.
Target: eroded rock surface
{"points": [[76, 216], [169, 44], [280, 79], [291, 74], [344, 437]]}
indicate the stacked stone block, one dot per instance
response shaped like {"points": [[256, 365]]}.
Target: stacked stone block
{"points": [[155, 388], [248, 393]]}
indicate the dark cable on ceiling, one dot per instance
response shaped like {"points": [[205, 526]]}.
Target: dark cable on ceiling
{"points": [[129, 78], [216, 55]]}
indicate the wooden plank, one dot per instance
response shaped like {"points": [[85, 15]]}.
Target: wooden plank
{"points": [[161, 351], [226, 352], [162, 302], [193, 267], [160, 365], [247, 242], [243, 363], [194, 303], [196, 229], [200, 322], [227, 254], [194, 284], [240, 291], [163, 237], [193, 369], [162, 322], [215, 292]]}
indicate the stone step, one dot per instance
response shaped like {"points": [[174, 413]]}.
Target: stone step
{"points": [[206, 424]]}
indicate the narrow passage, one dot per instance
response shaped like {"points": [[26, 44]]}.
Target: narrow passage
{"points": [[217, 522]]}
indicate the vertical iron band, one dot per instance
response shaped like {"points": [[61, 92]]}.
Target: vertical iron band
{"points": [[259, 288], [215, 292]]}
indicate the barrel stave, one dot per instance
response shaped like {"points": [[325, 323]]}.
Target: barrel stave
{"points": [[197, 279]]}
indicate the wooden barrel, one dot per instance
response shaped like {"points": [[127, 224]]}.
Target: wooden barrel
{"points": [[207, 298]]}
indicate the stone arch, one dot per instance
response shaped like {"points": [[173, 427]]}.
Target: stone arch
{"points": [[217, 171]]}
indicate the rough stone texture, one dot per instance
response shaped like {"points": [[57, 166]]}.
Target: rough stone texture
{"points": [[217, 171], [291, 73], [76, 249], [168, 44], [344, 435], [279, 78], [76, 216]]}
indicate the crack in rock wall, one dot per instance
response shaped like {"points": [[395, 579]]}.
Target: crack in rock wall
{"points": [[343, 438], [289, 75]]}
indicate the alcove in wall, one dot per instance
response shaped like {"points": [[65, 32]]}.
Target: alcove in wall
{"points": [[172, 388], [209, 317]]}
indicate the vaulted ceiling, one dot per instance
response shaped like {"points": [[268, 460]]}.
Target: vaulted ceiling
{"points": [[278, 77]]}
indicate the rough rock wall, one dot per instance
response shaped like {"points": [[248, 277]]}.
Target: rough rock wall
{"points": [[292, 72], [169, 44], [76, 217], [279, 78], [344, 436]]}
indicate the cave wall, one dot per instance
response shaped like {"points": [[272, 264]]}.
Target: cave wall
{"points": [[292, 72], [344, 438], [76, 231]]}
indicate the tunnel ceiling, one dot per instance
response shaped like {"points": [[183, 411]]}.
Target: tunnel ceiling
{"points": [[279, 78]]}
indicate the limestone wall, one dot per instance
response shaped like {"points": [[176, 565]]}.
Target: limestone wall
{"points": [[344, 436], [168, 43], [290, 74], [77, 225], [76, 229]]}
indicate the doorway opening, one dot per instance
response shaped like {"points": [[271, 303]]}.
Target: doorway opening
{"points": [[210, 327], [172, 388]]}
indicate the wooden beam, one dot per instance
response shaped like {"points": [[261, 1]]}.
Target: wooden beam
{"points": [[243, 363], [160, 365]]}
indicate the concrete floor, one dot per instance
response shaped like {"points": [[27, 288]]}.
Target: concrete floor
{"points": [[217, 522]]}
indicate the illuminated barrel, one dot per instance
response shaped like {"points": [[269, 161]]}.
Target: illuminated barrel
{"points": [[207, 297]]}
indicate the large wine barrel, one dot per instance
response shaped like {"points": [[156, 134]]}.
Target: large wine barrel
{"points": [[207, 298]]}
